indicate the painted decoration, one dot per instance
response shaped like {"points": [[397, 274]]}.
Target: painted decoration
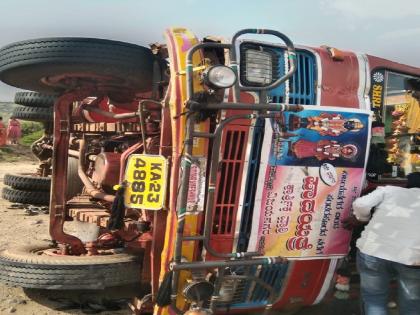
{"points": [[312, 168]]}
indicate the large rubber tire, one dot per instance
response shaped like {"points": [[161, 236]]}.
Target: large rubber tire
{"points": [[32, 64], [34, 99], [40, 114], [28, 182], [22, 266], [41, 198]]}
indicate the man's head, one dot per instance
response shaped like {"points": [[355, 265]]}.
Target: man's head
{"points": [[413, 180], [413, 85]]}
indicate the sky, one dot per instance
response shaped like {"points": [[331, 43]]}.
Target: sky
{"points": [[385, 28]]}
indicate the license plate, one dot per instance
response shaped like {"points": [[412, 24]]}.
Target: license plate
{"points": [[146, 182]]}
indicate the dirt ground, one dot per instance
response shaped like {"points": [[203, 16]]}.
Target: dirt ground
{"points": [[17, 228]]}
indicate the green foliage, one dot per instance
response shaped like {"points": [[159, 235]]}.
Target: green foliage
{"points": [[29, 127], [30, 138]]}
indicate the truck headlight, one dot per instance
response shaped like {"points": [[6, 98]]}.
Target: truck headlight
{"points": [[258, 65], [220, 77]]}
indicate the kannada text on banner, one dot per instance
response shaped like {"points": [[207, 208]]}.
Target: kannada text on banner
{"points": [[312, 169]]}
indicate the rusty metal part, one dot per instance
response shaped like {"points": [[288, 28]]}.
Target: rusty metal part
{"points": [[142, 305], [142, 119], [106, 170], [142, 125], [124, 156], [63, 249], [100, 217], [107, 240], [144, 242], [90, 188], [48, 147], [90, 215], [101, 127], [44, 168], [152, 145], [92, 108], [91, 248], [42, 148], [62, 129], [58, 211]]}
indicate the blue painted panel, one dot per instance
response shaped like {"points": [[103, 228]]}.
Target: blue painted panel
{"points": [[301, 84]]}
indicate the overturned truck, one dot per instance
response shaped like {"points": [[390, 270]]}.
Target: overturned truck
{"points": [[184, 165]]}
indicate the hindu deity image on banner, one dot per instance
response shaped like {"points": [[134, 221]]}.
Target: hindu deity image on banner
{"points": [[312, 168]]}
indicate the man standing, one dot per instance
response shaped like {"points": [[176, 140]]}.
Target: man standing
{"points": [[389, 246]]}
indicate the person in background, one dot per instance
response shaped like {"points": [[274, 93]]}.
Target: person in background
{"points": [[3, 135], [389, 246], [13, 131]]}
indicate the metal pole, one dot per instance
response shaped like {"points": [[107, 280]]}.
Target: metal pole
{"points": [[226, 263], [182, 204], [272, 107]]}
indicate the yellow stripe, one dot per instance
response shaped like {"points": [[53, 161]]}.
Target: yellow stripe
{"points": [[183, 40]]}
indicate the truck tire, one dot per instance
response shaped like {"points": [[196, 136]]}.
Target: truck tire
{"points": [[28, 182], [27, 267], [40, 114], [41, 198], [54, 65], [34, 99]]}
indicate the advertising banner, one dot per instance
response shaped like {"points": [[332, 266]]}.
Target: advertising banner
{"points": [[311, 170]]}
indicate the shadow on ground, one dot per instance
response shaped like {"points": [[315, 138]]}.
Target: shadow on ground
{"points": [[109, 301]]}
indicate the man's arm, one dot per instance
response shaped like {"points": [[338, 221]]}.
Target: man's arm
{"points": [[363, 205]]}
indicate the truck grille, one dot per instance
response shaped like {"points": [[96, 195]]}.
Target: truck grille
{"points": [[273, 276], [230, 168], [301, 84], [247, 293], [228, 186]]}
